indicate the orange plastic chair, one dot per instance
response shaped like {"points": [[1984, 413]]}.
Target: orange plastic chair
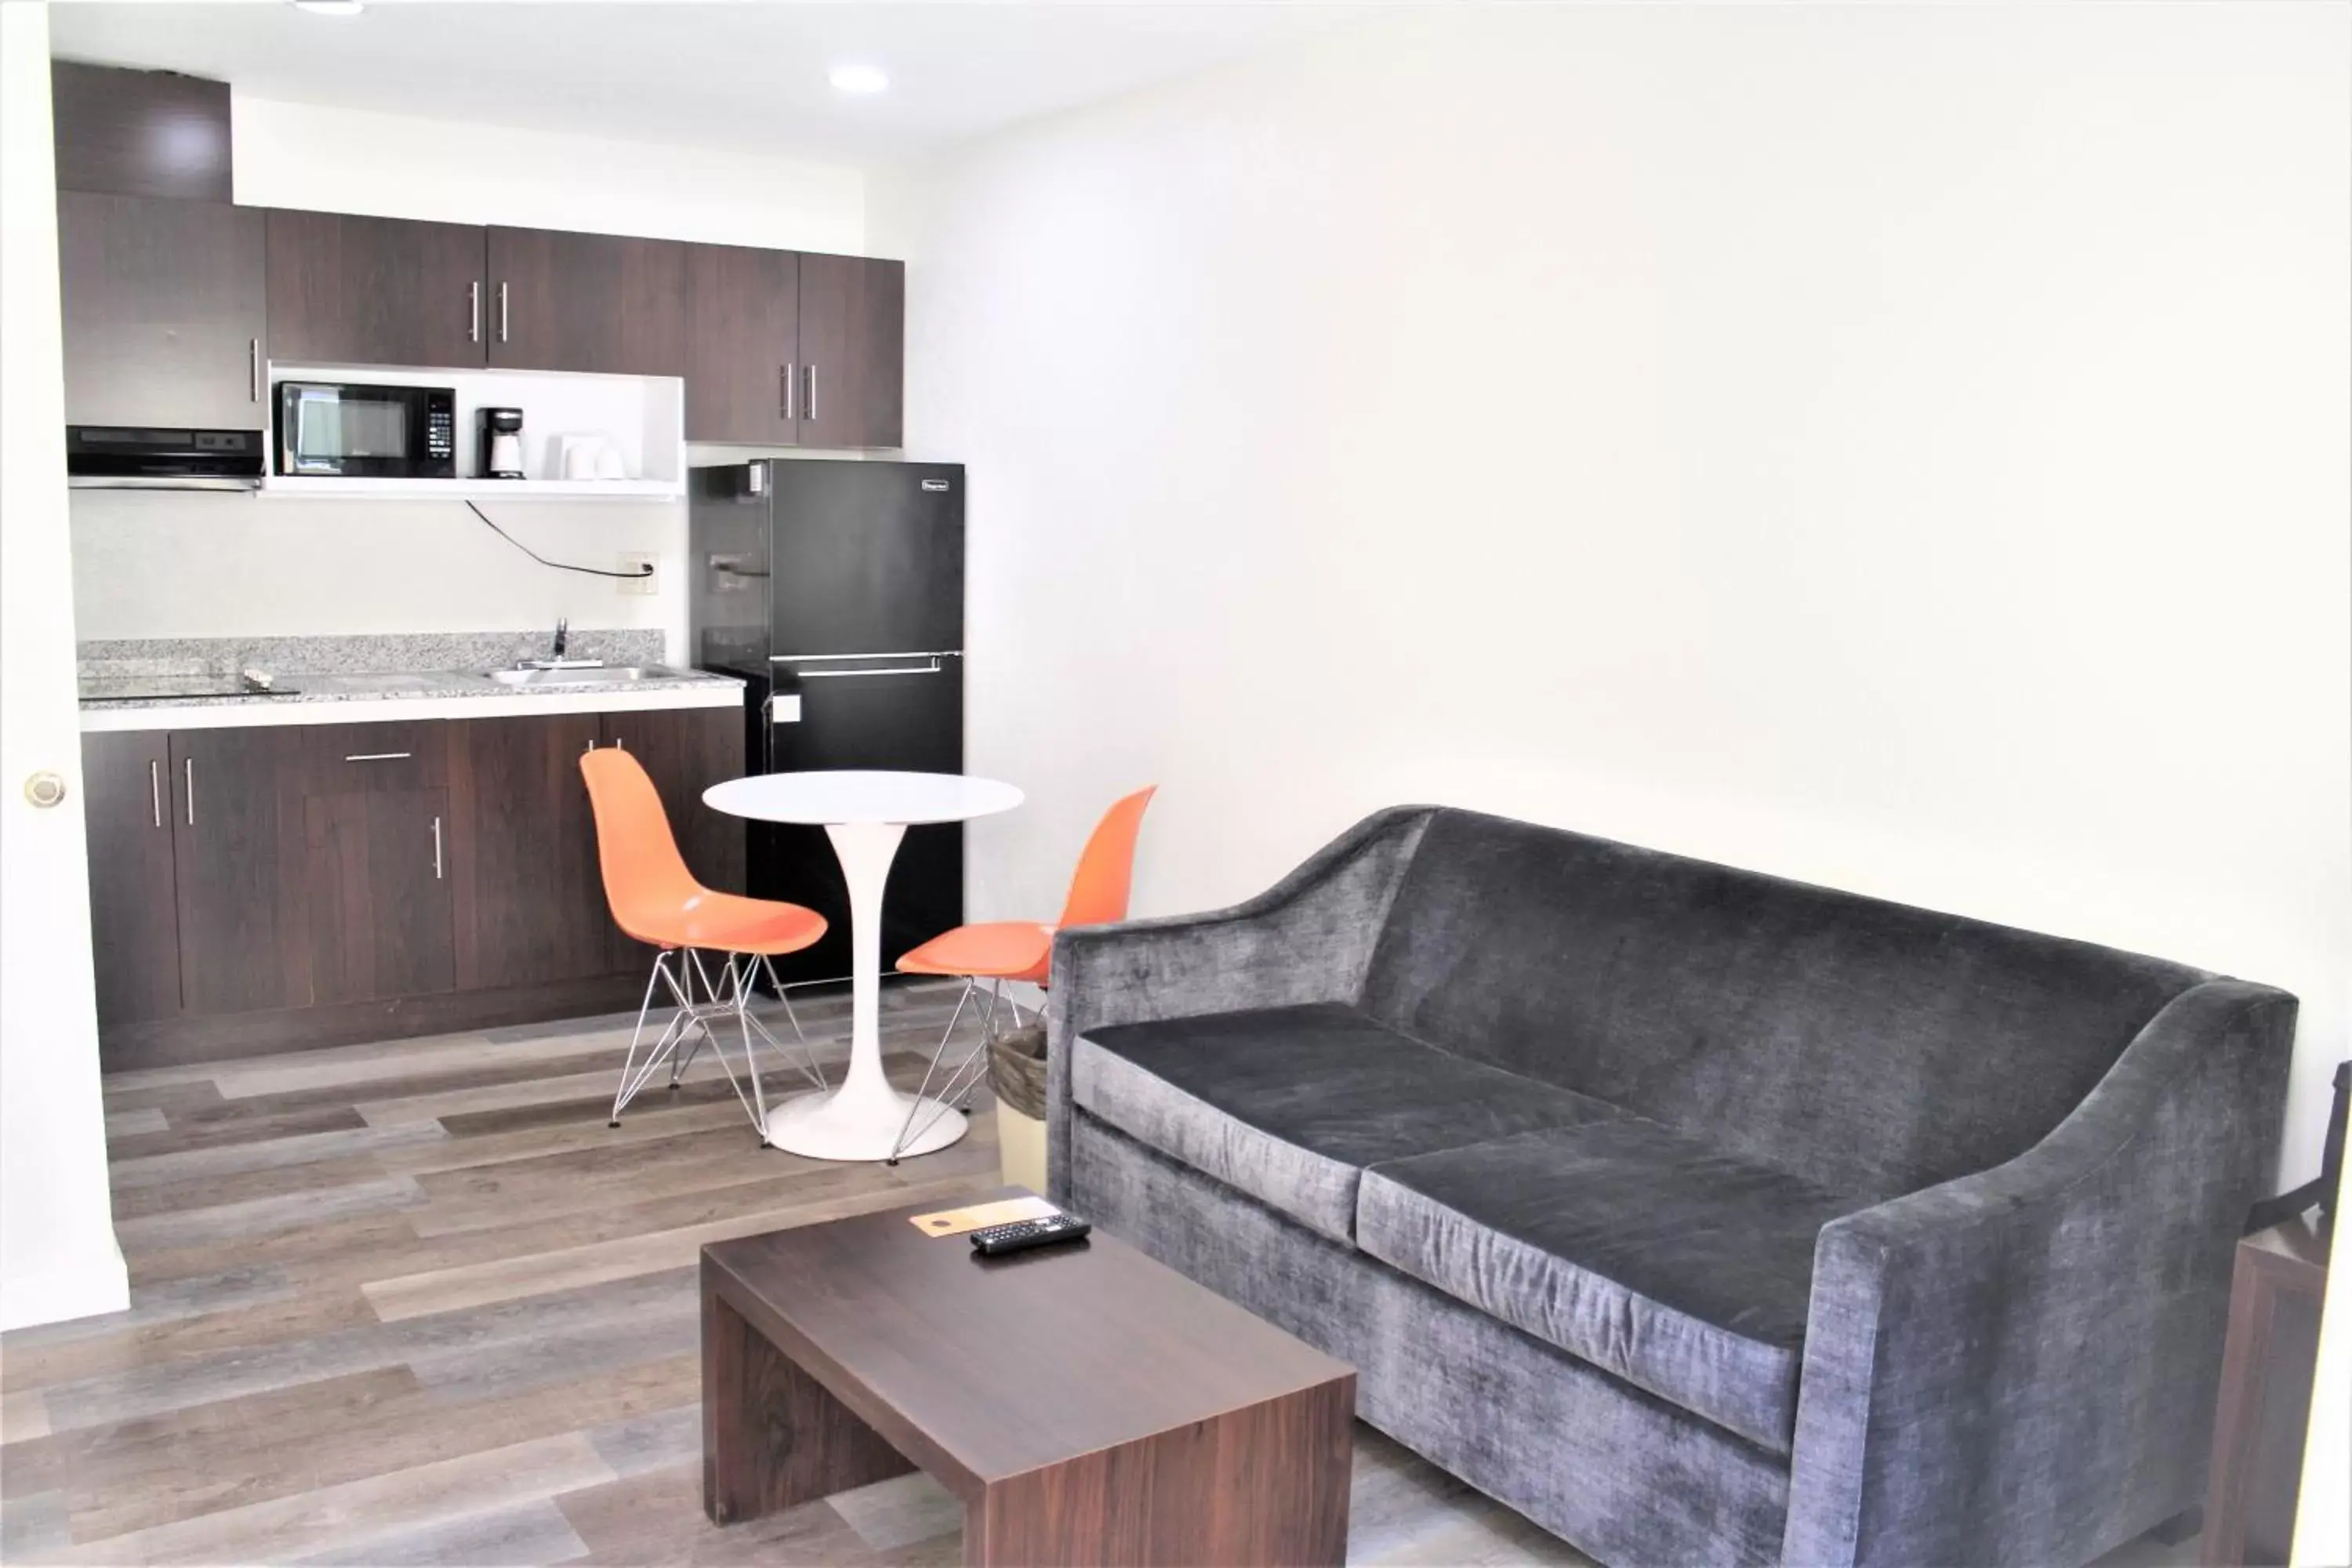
{"points": [[1002, 951], [655, 899]]}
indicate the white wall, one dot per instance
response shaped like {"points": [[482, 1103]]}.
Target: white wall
{"points": [[394, 166], [57, 1255], [187, 565], [196, 565], [1904, 448]]}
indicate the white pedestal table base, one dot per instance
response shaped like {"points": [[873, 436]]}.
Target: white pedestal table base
{"points": [[864, 1118]]}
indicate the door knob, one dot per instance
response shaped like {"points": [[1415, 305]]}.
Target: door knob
{"points": [[45, 788]]}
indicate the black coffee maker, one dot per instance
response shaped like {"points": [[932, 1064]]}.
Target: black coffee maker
{"points": [[498, 443]]}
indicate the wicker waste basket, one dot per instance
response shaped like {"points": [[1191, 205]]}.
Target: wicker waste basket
{"points": [[1016, 1076]]}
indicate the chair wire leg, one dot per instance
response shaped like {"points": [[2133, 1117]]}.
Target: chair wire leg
{"points": [[908, 1132], [621, 1096], [738, 977], [806, 1063], [716, 1050], [710, 998]]}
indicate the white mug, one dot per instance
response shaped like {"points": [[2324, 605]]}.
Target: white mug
{"points": [[580, 455]]}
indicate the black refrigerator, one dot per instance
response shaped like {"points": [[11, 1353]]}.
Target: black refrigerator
{"points": [[835, 591]]}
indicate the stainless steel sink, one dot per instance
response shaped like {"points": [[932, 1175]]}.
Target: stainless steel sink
{"points": [[599, 675]]}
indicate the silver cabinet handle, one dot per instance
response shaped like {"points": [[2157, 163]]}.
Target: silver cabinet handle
{"points": [[155, 788], [437, 850], [502, 311], [253, 368], [188, 771], [788, 390], [379, 756], [931, 668], [474, 312], [810, 401]]}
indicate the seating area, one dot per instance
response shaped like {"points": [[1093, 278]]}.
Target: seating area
{"points": [[1819, 1214]]}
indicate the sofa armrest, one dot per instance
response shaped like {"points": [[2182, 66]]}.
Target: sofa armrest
{"points": [[2020, 1365], [1309, 938]]}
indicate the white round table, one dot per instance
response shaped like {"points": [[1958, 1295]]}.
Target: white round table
{"points": [[864, 815]]}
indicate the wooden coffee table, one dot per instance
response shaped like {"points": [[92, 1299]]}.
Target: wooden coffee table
{"points": [[1087, 1403]]}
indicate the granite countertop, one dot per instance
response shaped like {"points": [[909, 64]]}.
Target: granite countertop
{"points": [[395, 675], [380, 686]]}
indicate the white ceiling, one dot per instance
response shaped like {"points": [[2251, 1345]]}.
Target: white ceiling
{"points": [[750, 76]]}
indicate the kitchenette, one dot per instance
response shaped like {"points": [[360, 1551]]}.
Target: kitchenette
{"points": [[382, 523]]}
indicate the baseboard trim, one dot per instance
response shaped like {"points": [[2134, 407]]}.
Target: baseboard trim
{"points": [[184, 1041]]}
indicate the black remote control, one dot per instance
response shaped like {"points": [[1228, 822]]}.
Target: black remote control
{"points": [[996, 1240]]}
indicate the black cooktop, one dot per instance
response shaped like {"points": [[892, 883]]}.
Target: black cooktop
{"points": [[164, 688]]}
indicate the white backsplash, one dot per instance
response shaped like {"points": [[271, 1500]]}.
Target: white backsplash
{"points": [[192, 564]]}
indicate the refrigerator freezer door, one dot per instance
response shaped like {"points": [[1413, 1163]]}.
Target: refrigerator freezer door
{"points": [[867, 557]]}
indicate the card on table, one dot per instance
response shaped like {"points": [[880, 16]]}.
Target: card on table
{"points": [[956, 1222]]}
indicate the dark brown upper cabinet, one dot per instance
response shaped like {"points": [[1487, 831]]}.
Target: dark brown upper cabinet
{"points": [[853, 335], [165, 312], [375, 290], [140, 134], [585, 301], [742, 345]]}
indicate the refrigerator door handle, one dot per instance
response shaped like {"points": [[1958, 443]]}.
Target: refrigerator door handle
{"points": [[837, 658], [929, 666]]}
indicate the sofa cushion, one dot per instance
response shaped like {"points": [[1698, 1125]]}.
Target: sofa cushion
{"points": [[1863, 1044], [1289, 1104], [1677, 1266]]}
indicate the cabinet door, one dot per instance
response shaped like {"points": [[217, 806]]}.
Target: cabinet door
{"points": [[374, 290], [586, 301], [164, 312], [742, 334], [379, 907], [134, 926], [684, 751], [529, 898], [237, 844], [853, 350]]}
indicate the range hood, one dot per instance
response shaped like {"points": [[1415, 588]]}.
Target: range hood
{"points": [[143, 458]]}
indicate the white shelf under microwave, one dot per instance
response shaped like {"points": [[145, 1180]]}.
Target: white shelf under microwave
{"points": [[316, 487]]}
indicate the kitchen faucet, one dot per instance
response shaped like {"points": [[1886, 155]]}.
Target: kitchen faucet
{"points": [[555, 658]]}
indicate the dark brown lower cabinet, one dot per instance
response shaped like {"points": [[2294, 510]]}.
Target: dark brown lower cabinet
{"points": [[529, 902], [272, 889], [133, 918], [240, 872], [381, 922]]}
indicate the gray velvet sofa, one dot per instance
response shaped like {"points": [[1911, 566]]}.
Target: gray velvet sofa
{"points": [[1700, 1215]]}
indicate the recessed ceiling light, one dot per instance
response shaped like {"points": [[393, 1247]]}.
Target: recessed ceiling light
{"points": [[858, 78], [330, 7]]}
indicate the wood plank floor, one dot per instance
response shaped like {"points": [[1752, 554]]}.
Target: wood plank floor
{"points": [[414, 1303]]}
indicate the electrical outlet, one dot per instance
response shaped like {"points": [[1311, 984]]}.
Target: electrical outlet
{"points": [[631, 561]]}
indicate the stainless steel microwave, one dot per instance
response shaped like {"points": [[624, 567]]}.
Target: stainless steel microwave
{"points": [[367, 432]]}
